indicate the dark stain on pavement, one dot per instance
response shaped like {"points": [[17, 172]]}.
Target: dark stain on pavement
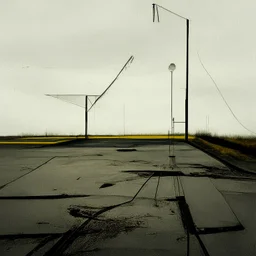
{"points": [[99, 230]]}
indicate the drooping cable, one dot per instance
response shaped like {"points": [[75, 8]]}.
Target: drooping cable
{"points": [[223, 97], [130, 60]]}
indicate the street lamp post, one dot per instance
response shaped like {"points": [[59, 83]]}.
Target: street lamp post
{"points": [[155, 9], [171, 68]]}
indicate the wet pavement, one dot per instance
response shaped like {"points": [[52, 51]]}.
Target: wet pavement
{"points": [[112, 197]]}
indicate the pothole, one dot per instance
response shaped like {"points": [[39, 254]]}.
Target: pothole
{"points": [[82, 211], [94, 155], [42, 223], [140, 161], [126, 149], [164, 173], [106, 185]]}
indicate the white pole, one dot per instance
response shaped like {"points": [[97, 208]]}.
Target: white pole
{"points": [[171, 69], [124, 117], [172, 121]]}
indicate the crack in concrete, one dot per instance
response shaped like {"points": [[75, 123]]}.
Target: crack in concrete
{"points": [[41, 197], [70, 236], [46, 162]]}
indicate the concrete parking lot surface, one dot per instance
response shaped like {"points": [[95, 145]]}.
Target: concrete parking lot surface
{"points": [[128, 197]]}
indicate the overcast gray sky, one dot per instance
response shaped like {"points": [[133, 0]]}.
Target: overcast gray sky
{"points": [[59, 46]]}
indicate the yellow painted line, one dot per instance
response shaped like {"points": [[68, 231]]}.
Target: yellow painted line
{"points": [[46, 138], [139, 137], [31, 142], [181, 137]]}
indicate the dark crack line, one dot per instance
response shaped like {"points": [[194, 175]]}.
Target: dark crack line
{"points": [[188, 243], [157, 186], [206, 253], [219, 176], [69, 237], [43, 197], [41, 245], [189, 225], [46, 162], [205, 231], [21, 236]]}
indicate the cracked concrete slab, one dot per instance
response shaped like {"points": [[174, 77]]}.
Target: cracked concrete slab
{"points": [[139, 227], [36, 216], [150, 223], [237, 186], [239, 242], [208, 207]]}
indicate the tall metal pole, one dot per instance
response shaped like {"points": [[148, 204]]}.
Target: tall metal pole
{"points": [[172, 118], [86, 117], [187, 71], [155, 8], [172, 103]]}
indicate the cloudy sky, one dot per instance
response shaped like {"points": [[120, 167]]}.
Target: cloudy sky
{"points": [[78, 47]]}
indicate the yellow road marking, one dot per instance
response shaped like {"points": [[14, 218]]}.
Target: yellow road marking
{"points": [[139, 137], [31, 142], [38, 142]]}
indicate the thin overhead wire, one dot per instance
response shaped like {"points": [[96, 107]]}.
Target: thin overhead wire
{"points": [[130, 60], [61, 97], [57, 97], [223, 97], [89, 100], [157, 12], [157, 5]]}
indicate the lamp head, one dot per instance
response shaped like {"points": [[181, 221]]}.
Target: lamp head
{"points": [[172, 67]]}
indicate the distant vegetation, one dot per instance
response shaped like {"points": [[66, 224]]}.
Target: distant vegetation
{"points": [[231, 145]]}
